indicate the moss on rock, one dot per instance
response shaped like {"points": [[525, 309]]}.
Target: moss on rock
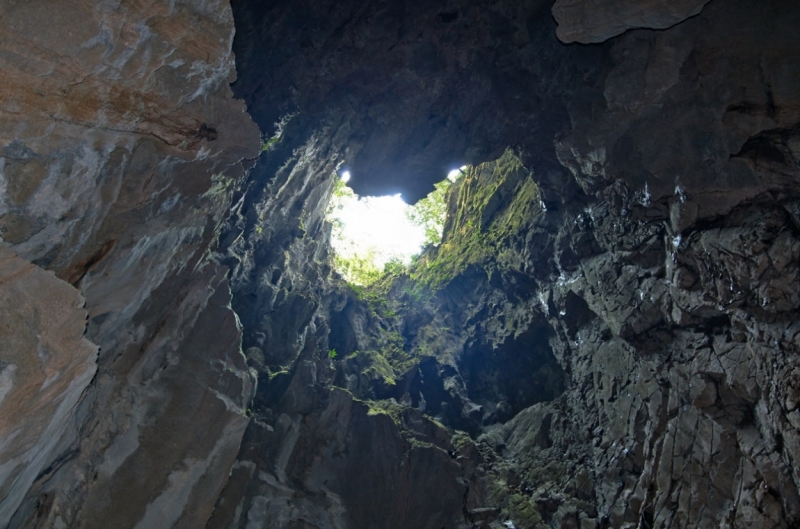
{"points": [[492, 203]]}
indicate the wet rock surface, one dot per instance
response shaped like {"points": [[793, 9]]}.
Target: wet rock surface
{"points": [[606, 337]]}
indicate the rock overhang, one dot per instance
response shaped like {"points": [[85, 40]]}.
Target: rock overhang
{"points": [[404, 107]]}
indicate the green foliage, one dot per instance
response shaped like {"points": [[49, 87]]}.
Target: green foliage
{"points": [[394, 266], [390, 361], [387, 358], [494, 201], [332, 354], [431, 211], [221, 186], [394, 353], [361, 269], [377, 296], [451, 259], [357, 270], [386, 407], [380, 368], [274, 374], [267, 145], [339, 193], [340, 189], [416, 291]]}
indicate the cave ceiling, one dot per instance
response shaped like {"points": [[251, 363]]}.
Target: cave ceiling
{"points": [[411, 90]]}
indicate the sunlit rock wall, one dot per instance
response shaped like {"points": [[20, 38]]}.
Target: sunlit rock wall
{"points": [[120, 149], [46, 365]]}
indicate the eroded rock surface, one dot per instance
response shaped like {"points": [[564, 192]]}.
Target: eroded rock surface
{"points": [[607, 336], [45, 366], [594, 321], [120, 149], [590, 21]]}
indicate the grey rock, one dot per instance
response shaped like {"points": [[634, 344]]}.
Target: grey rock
{"points": [[590, 21]]}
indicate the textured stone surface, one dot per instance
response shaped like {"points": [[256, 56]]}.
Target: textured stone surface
{"points": [[631, 281], [45, 365], [326, 460], [120, 149], [607, 338], [410, 91], [101, 112], [177, 424], [591, 21]]}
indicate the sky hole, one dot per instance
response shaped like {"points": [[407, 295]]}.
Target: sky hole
{"points": [[372, 235]]}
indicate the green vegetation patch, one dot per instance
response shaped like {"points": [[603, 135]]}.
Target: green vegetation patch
{"points": [[386, 407], [374, 236], [431, 212], [389, 362], [493, 202]]}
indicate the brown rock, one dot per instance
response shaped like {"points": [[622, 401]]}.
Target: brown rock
{"points": [[120, 148], [46, 364]]}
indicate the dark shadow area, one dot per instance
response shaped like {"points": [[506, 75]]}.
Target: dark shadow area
{"points": [[342, 338], [515, 375], [577, 315], [413, 89]]}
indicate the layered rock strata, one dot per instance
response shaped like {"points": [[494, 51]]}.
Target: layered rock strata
{"points": [[47, 364]]}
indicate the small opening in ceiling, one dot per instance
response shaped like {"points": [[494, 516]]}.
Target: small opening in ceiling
{"points": [[375, 235]]}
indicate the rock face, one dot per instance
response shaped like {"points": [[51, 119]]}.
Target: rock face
{"points": [[47, 363], [594, 321], [590, 21], [606, 337], [120, 147], [410, 91]]}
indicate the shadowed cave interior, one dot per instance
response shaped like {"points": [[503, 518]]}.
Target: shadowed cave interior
{"points": [[607, 335]]}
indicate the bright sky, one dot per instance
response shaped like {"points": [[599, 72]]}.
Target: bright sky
{"points": [[377, 224]]}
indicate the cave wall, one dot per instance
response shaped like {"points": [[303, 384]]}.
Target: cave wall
{"points": [[665, 172], [606, 338], [120, 146]]}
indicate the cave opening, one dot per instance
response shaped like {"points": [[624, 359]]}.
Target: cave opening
{"points": [[606, 336], [375, 235]]}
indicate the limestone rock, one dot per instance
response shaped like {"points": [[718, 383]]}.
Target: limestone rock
{"points": [[608, 336], [46, 363], [91, 108], [589, 21], [121, 147], [625, 357]]}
